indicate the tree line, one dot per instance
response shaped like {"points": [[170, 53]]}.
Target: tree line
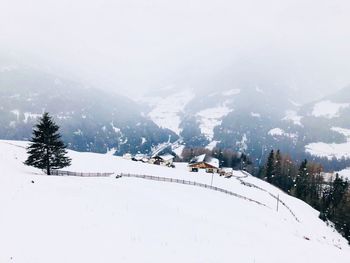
{"points": [[306, 181]]}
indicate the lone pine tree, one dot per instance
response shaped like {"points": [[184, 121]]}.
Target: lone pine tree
{"points": [[47, 151]]}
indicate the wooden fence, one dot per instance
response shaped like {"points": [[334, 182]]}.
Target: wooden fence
{"points": [[179, 181], [68, 173], [271, 194], [185, 182]]}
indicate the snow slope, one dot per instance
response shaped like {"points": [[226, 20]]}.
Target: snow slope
{"points": [[73, 219], [328, 109], [293, 117], [210, 118], [345, 173], [331, 150], [166, 111]]}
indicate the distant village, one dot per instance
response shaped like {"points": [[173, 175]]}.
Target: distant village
{"points": [[203, 162]]}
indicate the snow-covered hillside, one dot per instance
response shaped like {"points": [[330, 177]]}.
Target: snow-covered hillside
{"points": [[328, 109], [166, 111], [345, 173], [76, 219], [211, 118], [331, 150], [90, 119]]}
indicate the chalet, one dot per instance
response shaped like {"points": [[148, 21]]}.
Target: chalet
{"points": [[165, 160], [204, 161]]}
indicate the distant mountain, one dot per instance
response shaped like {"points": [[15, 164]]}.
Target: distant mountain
{"points": [[239, 118], [327, 126], [90, 119], [250, 117], [244, 114]]}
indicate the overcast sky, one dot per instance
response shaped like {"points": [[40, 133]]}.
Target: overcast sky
{"points": [[137, 45]]}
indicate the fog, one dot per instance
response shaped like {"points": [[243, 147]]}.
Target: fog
{"points": [[135, 46]]}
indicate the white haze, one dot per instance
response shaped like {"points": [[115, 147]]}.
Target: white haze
{"points": [[137, 45]]}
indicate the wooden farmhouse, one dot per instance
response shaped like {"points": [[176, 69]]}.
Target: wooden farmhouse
{"points": [[204, 161], [165, 160]]}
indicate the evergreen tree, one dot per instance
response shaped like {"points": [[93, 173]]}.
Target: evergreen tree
{"points": [[277, 179], [270, 167], [340, 187], [47, 151], [290, 174], [245, 163], [335, 205], [278, 163], [316, 185], [301, 184]]}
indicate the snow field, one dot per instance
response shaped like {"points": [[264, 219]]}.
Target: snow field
{"points": [[328, 109], [331, 150], [73, 219]]}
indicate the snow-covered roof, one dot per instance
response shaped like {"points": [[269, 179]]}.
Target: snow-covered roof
{"points": [[204, 158], [166, 157], [198, 159], [213, 162]]}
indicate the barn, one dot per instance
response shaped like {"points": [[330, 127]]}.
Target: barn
{"points": [[204, 161]]}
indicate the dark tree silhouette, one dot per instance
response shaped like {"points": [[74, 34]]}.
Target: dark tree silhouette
{"points": [[302, 182], [47, 151], [270, 167]]}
